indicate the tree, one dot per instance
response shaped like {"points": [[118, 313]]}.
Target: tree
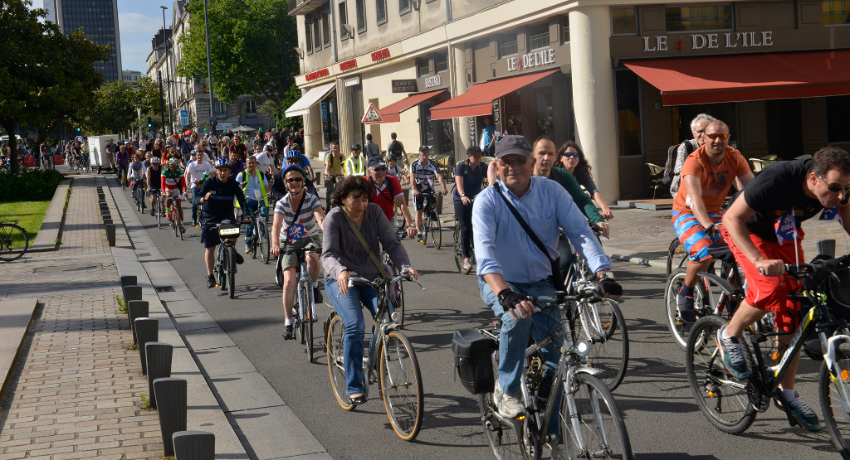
{"points": [[44, 75], [249, 42], [114, 107], [277, 109]]}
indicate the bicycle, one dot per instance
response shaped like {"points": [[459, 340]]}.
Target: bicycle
{"points": [[390, 360], [174, 218], [398, 302], [14, 241], [139, 195], [590, 424], [714, 387], [225, 259], [459, 251], [303, 316], [158, 210], [431, 221]]}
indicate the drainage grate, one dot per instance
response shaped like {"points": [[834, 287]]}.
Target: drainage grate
{"points": [[143, 254], [164, 288]]}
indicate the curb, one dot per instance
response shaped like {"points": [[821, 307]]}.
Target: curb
{"points": [[17, 316], [51, 226]]}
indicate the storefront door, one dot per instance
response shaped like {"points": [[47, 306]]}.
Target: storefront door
{"points": [[330, 121], [439, 134]]}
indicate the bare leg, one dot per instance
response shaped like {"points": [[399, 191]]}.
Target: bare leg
{"points": [[209, 258], [290, 282]]}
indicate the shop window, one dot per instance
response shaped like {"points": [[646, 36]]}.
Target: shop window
{"points": [[628, 114], [510, 120], [250, 108], [343, 20], [361, 15], [836, 13], [381, 11], [538, 36], [308, 31], [221, 109], [507, 45], [566, 30], [441, 62], [545, 113], [624, 21], [330, 121], [837, 114], [317, 35], [694, 18], [422, 65], [403, 6], [326, 30]]}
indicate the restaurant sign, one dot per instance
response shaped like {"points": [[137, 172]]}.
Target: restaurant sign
{"points": [[404, 86], [318, 74], [725, 40], [530, 60]]}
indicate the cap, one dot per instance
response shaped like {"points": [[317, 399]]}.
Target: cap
{"points": [[355, 147], [513, 145], [376, 161], [474, 150], [425, 148]]}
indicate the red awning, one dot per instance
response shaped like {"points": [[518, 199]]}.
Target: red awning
{"points": [[391, 113], [747, 77], [479, 99]]}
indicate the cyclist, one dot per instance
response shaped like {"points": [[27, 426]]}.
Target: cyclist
{"points": [[387, 193], [265, 160], [122, 161], [355, 165], [334, 170], [298, 217], [196, 173], [422, 175], [173, 183], [511, 266], [469, 176], [394, 169], [217, 194], [707, 176], [574, 161], [154, 186], [136, 173], [254, 186], [766, 214]]}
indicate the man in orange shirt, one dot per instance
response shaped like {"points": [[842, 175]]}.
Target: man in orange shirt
{"points": [[707, 176]]}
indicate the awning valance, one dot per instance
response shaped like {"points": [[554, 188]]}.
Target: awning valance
{"points": [[479, 99]]}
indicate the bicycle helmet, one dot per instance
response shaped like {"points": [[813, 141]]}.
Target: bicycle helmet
{"points": [[155, 161], [222, 163], [295, 168], [355, 147], [173, 161], [293, 155]]}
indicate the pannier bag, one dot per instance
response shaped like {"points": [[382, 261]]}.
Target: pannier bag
{"points": [[472, 351]]}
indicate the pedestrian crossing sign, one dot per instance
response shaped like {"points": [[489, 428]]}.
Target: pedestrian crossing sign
{"points": [[372, 115]]}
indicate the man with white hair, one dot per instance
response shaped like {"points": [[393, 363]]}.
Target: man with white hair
{"points": [[698, 125]]}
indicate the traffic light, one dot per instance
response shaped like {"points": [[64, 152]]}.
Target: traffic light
{"points": [[79, 129], [150, 123]]}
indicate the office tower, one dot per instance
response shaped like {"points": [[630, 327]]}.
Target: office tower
{"points": [[99, 21]]}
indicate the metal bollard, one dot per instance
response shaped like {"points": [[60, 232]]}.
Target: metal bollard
{"points": [[132, 293], [107, 222], [826, 247], [193, 445], [171, 395], [110, 234], [147, 330], [158, 355], [137, 309], [128, 280]]}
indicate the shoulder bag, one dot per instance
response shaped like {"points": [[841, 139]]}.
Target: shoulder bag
{"points": [[365, 245]]}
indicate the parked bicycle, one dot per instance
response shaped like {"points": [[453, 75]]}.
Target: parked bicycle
{"points": [[14, 241], [390, 361], [431, 221]]}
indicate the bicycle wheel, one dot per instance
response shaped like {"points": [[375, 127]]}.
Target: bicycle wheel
{"points": [[608, 338], [425, 226], [158, 213], [836, 420], [678, 328], [255, 240], [721, 397], [401, 386], [336, 361], [596, 428], [13, 242], [179, 225], [436, 231], [308, 322], [175, 226], [677, 256], [457, 249], [231, 272], [222, 269], [265, 249], [278, 271], [398, 220], [398, 303]]}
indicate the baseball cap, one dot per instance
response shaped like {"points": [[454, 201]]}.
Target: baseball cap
{"points": [[424, 148], [474, 150], [376, 162], [355, 147], [513, 145]]}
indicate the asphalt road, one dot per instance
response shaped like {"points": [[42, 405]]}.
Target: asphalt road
{"points": [[660, 413]]}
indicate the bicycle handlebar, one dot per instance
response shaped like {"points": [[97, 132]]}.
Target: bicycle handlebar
{"points": [[308, 248], [406, 275]]}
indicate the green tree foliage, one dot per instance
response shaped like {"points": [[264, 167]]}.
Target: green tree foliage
{"points": [[114, 107], [248, 40], [44, 75], [277, 109]]}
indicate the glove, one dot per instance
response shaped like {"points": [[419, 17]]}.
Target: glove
{"points": [[509, 299], [609, 287]]}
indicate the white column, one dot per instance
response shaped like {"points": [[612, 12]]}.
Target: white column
{"points": [[459, 86], [343, 107], [313, 131], [593, 94]]}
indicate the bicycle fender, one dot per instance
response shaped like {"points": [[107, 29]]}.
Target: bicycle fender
{"points": [[830, 359], [587, 370], [724, 285]]}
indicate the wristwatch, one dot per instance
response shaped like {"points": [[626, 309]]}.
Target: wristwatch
{"points": [[609, 275], [463, 194]]}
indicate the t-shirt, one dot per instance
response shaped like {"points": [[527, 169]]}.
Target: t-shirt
{"points": [[472, 180], [220, 204], [396, 170], [777, 189], [424, 175], [252, 189], [335, 163], [716, 180], [386, 195], [487, 136], [305, 217], [585, 180], [196, 171], [265, 162], [371, 149], [172, 180]]}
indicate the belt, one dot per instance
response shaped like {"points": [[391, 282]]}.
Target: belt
{"points": [[545, 280]]}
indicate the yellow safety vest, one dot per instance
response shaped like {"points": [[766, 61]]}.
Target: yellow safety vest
{"points": [[359, 170], [262, 187]]}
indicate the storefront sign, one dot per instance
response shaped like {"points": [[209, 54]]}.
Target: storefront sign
{"points": [[496, 114], [433, 82], [471, 130], [404, 86], [317, 74], [710, 41], [224, 126], [348, 65], [250, 121], [381, 54], [535, 59], [351, 82]]}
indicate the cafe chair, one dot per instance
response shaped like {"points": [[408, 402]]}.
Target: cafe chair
{"points": [[656, 177]]}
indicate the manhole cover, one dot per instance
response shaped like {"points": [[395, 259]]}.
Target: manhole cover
{"points": [[68, 268], [164, 288]]}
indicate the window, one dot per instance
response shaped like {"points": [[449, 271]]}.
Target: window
{"points": [[836, 13], [403, 6], [326, 30], [343, 21], [308, 32], [381, 11], [317, 35], [624, 21], [538, 36], [361, 15], [250, 108], [566, 36], [422, 65], [628, 114], [692, 18], [441, 62], [837, 113], [221, 109], [507, 45]]}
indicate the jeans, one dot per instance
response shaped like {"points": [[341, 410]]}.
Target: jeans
{"points": [[350, 311], [252, 211], [463, 214], [196, 204]]}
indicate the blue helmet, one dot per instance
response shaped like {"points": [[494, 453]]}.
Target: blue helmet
{"points": [[222, 163], [293, 155]]}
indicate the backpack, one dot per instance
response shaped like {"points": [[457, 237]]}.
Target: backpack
{"points": [[670, 165], [395, 148]]}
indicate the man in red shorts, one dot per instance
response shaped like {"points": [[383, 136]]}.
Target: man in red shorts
{"points": [[707, 176], [762, 227]]}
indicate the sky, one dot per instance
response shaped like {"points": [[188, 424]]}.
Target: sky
{"points": [[138, 22]]}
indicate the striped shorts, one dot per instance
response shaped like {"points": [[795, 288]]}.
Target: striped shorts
{"points": [[692, 235]]}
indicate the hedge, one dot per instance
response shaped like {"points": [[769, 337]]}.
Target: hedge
{"points": [[30, 184]]}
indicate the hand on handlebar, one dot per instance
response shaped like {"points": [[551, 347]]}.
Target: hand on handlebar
{"points": [[770, 267], [411, 232], [516, 303], [342, 281], [275, 248], [609, 289], [606, 229]]}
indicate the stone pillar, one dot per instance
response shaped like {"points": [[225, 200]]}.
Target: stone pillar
{"points": [[593, 94], [313, 131], [343, 107], [459, 86]]}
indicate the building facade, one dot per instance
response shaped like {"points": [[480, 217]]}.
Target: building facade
{"points": [[130, 76], [623, 80], [99, 20]]}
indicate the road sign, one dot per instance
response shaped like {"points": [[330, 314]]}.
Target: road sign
{"points": [[150, 133], [372, 115], [184, 117]]}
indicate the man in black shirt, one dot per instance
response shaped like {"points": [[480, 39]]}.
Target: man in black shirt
{"points": [[762, 227], [217, 195]]}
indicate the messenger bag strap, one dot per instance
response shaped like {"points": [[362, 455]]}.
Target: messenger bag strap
{"points": [[365, 245]]}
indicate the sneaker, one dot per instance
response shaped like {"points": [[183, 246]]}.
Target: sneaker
{"points": [[801, 411], [152, 212], [733, 355], [247, 248], [686, 308], [317, 296], [196, 224], [288, 333], [210, 282], [509, 406], [467, 266]]}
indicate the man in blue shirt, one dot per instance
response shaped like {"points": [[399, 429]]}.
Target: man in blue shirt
{"points": [[488, 137], [511, 267]]}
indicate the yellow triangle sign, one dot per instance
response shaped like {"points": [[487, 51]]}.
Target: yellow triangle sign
{"points": [[372, 115]]}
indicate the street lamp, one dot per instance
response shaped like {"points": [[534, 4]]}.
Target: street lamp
{"points": [[167, 67], [209, 70]]}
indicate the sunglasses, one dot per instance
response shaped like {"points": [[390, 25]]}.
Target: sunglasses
{"points": [[721, 136], [381, 168], [835, 188], [294, 179], [513, 161], [477, 155], [570, 154]]}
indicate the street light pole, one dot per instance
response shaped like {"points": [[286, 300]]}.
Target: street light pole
{"points": [[209, 69], [167, 68]]}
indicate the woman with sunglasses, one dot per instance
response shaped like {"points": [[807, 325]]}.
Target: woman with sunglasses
{"points": [[291, 231], [573, 160], [469, 176]]}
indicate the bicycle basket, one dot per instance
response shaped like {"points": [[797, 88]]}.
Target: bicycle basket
{"points": [[472, 351], [839, 295], [228, 231]]}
